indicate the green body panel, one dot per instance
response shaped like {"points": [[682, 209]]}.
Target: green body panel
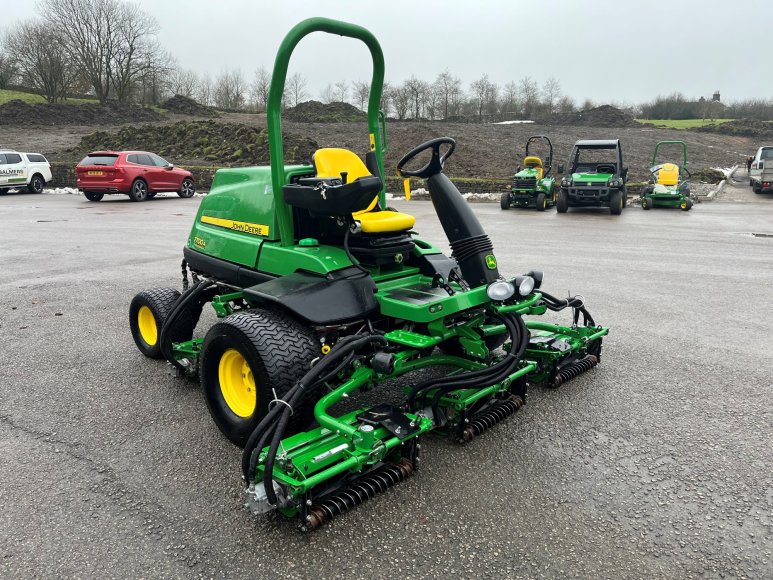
{"points": [[590, 177], [244, 195], [527, 196]]}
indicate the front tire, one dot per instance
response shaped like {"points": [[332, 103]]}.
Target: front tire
{"points": [[542, 202], [148, 312], [686, 204], [187, 188], [504, 201], [139, 190], [91, 196], [562, 201], [36, 184], [646, 203], [246, 361], [616, 203]]}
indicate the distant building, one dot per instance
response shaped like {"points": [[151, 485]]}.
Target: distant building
{"points": [[715, 97]]}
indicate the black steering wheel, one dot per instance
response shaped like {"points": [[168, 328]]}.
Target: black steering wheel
{"points": [[435, 164]]}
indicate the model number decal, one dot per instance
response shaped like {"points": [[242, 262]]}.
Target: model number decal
{"points": [[246, 227]]}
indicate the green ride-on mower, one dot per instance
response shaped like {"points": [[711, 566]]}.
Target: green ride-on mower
{"points": [[322, 291], [668, 185], [596, 177], [533, 186]]}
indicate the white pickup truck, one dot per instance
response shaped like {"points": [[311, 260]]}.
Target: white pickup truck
{"points": [[18, 170], [761, 172]]}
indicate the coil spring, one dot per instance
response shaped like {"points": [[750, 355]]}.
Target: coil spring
{"points": [[490, 417], [575, 369], [360, 491]]}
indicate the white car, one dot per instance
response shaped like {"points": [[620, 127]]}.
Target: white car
{"points": [[18, 170], [763, 163]]}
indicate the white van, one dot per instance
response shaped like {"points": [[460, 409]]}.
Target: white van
{"points": [[18, 170]]}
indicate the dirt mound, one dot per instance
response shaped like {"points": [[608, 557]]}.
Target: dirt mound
{"points": [[603, 116], [741, 128], [186, 106], [316, 112], [200, 141], [18, 112], [709, 175]]}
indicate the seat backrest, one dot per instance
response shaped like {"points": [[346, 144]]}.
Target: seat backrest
{"points": [[330, 162], [534, 162], [668, 174]]}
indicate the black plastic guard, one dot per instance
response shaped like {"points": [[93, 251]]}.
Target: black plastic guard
{"points": [[339, 297]]}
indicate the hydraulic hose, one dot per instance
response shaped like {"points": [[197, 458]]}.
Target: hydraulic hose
{"points": [[274, 424], [558, 304], [483, 377], [182, 302]]}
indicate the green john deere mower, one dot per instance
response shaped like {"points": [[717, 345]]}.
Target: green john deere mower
{"points": [[322, 291], [668, 186], [533, 186]]}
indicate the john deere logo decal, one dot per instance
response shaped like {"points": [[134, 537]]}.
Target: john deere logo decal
{"points": [[491, 262]]}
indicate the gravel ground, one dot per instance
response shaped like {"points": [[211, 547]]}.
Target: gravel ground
{"points": [[655, 464]]}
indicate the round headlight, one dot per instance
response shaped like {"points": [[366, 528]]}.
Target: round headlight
{"points": [[525, 285], [500, 290]]}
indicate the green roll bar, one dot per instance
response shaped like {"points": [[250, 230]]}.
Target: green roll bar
{"points": [[659, 143], [274, 112]]}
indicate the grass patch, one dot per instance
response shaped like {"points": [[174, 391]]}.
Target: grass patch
{"points": [[682, 123], [32, 98]]}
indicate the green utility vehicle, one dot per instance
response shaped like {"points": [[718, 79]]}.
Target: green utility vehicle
{"points": [[668, 186], [595, 177], [322, 291], [533, 186]]}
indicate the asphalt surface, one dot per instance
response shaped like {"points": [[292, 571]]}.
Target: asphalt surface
{"points": [[656, 464]]}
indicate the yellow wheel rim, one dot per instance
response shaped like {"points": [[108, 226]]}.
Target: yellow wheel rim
{"points": [[237, 383], [146, 323]]}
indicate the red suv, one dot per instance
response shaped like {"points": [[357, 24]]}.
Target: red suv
{"points": [[138, 174]]}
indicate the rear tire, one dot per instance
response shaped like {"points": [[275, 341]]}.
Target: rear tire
{"points": [[562, 201], [147, 313], [616, 203], [139, 190], [504, 201], [756, 188], [187, 188], [36, 184], [542, 202], [248, 357], [91, 196]]}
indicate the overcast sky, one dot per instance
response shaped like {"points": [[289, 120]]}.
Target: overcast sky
{"points": [[606, 50]]}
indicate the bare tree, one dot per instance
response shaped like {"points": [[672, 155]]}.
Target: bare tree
{"points": [[417, 90], [551, 93], [40, 61], [229, 90], [482, 90], [259, 89], [400, 97], [341, 91], [361, 90], [296, 89], [328, 94], [204, 90], [529, 95], [136, 50], [183, 82], [510, 98], [8, 67], [448, 89], [566, 104], [112, 42]]}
